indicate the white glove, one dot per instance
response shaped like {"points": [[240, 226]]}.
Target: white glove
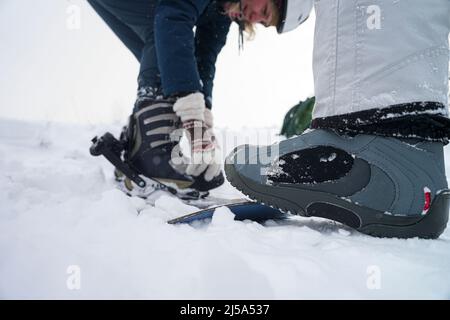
{"points": [[190, 107], [206, 155]]}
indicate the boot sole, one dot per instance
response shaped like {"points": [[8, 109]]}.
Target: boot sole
{"points": [[372, 222]]}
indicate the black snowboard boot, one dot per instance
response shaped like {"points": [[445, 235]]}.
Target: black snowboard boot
{"points": [[148, 142]]}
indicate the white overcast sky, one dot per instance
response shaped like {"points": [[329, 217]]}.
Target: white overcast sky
{"points": [[52, 73]]}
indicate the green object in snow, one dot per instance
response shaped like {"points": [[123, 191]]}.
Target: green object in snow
{"points": [[298, 119]]}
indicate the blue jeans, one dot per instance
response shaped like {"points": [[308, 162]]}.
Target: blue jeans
{"points": [[132, 22]]}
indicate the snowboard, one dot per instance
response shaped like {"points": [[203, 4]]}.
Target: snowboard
{"points": [[244, 210]]}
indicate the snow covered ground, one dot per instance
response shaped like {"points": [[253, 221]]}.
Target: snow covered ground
{"points": [[66, 232]]}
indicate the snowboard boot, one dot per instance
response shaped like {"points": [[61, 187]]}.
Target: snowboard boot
{"points": [[383, 187], [143, 153], [150, 139]]}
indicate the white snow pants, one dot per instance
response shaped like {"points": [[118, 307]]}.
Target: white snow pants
{"points": [[380, 54]]}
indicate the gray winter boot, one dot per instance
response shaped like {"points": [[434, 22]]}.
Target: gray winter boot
{"points": [[380, 186]]}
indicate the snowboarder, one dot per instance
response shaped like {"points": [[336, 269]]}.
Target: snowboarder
{"points": [[373, 158], [175, 84]]}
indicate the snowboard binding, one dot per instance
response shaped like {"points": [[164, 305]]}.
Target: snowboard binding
{"points": [[112, 149], [131, 181]]}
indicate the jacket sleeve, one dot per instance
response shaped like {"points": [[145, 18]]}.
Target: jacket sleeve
{"points": [[175, 47], [210, 38]]}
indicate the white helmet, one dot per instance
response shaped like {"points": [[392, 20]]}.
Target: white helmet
{"points": [[293, 13]]}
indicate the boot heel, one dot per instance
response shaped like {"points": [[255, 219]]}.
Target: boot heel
{"points": [[431, 226]]}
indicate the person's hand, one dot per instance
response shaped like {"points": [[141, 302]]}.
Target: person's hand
{"points": [[197, 122]]}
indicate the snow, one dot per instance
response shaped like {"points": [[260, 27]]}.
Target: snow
{"points": [[66, 232], [276, 170], [330, 158], [61, 217]]}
